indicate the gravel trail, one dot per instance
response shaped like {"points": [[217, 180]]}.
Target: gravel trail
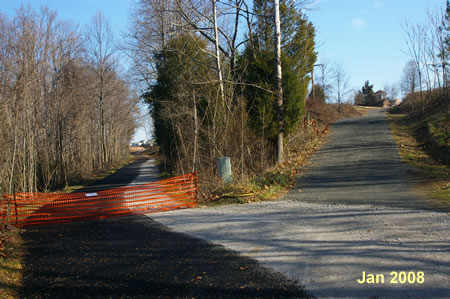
{"points": [[137, 257], [356, 213]]}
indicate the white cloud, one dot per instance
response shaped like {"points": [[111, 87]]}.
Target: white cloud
{"points": [[378, 4], [358, 23]]}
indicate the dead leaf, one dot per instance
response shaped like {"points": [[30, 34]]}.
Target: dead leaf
{"points": [[299, 190], [243, 268]]}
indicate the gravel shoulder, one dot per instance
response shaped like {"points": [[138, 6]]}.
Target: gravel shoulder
{"points": [[326, 247], [356, 213]]}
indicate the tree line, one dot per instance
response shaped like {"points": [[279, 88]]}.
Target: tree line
{"points": [[208, 71], [428, 46], [65, 109]]}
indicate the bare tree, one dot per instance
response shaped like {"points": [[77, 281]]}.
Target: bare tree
{"points": [[391, 90], [415, 41], [205, 112], [437, 46], [326, 76], [154, 23], [340, 82], [410, 78], [428, 47], [100, 50], [49, 133], [217, 23]]}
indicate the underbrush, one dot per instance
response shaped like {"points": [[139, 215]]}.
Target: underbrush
{"points": [[11, 254], [272, 182], [421, 128], [428, 117], [259, 185]]}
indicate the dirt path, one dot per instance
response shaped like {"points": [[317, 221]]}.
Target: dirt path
{"points": [[355, 213], [136, 257]]}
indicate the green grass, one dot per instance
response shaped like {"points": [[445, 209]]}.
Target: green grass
{"points": [[99, 176], [439, 130], [420, 142], [440, 192]]}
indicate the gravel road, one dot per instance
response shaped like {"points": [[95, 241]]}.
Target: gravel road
{"points": [[137, 257], [356, 213]]}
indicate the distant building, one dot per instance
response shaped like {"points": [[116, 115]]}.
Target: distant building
{"points": [[391, 103], [380, 95], [148, 143]]}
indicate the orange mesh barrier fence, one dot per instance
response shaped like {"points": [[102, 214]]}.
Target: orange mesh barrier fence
{"points": [[30, 209]]}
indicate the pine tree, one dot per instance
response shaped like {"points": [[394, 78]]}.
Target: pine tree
{"points": [[319, 95], [178, 65], [369, 94], [298, 57], [367, 89]]}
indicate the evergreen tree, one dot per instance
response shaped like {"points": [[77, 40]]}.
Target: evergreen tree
{"points": [[183, 61], [359, 99], [367, 89], [370, 98], [319, 95], [298, 57]]}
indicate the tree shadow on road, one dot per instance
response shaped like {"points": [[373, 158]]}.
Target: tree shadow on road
{"points": [[135, 256]]}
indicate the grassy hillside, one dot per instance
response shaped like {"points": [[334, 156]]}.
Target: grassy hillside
{"points": [[421, 128]]}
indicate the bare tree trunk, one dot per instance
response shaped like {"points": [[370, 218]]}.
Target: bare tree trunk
{"points": [[279, 82], [195, 134], [218, 64], [415, 36]]}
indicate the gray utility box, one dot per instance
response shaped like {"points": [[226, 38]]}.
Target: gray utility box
{"points": [[224, 168]]}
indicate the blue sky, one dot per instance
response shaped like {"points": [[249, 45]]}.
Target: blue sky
{"points": [[79, 11], [365, 36]]}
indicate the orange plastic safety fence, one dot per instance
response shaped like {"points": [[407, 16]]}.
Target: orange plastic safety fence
{"points": [[30, 209]]}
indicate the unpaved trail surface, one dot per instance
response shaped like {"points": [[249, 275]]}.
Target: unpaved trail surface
{"points": [[355, 212], [360, 164], [136, 257]]}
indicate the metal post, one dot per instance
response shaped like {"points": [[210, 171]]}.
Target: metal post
{"points": [[8, 211], [312, 86], [224, 168], [15, 204], [309, 130]]}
